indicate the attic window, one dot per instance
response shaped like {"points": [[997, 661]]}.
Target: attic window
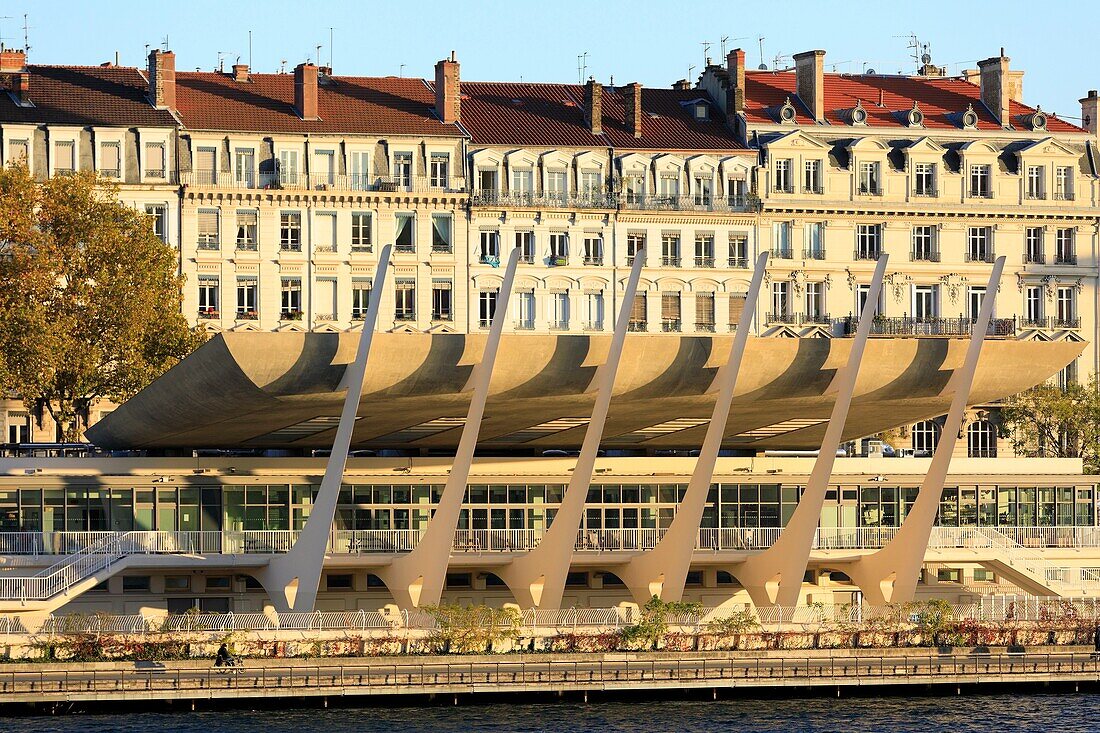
{"points": [[1039, 120], [701, 110], [970, 118], [859, 115], [915, 116], [786, 112]]}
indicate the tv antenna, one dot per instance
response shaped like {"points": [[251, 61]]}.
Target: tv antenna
{"points": [[331, 32], [3, 18], [706, 52], [582, 66], [691, 69], [763, 66], [722, 44], [779, 58], [317, 56], [221, 60], [165, 42], [727, 39], [282, 66], [26, 37]]}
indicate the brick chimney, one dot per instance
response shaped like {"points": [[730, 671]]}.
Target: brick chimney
{"points": [[593, 106], [809, 71], [1090, 114], [448, 90], [681, 85], [162, 79], [633, 103], [305, 91], [12, 60], [735, 97], [240, 72], [21, 87], [996, 88]]}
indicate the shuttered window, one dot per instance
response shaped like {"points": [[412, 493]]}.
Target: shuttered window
{"points": [[208, 229], [670, 311], [638, 313], [704, 311], [154, 160], [737, 307], [110, 160], [64, 156]]}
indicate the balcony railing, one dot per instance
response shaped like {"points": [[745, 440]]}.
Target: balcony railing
{"points": [[868, 253], [559, 325], [1065, 258], [813, 253], [927, 192], [782, 253], [1034, 258], [593, 259], [739, 262], [595, 326], [1035, 196], [684, 203], [924, 255], [1065, 323], [670, 261], [246, 315], [704, 261], [782, 318], [710, 539], [247, 247], [1063, 195], [525, 324], [909, 326], [594, 200], [637, 326], [671, 325], [987, 256], [320, 182], [209, 314], [976, 193]]}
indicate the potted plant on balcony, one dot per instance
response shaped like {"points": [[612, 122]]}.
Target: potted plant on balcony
{"points": [[292, 315], [558, 260]]}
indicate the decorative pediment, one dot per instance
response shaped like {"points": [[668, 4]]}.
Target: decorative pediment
{"points": [[816, 332], [797, 139], [925, 145], [403, 328], [1050, 148], [1071, 336], [668, 162], [783, 332], [976, 148], [487, 158], [521, 159], [868, 145], [634, 163], [327, 328], [590, 159]]}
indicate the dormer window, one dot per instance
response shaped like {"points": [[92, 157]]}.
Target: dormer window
{"points": [[970, 118], [1038, 120], [859, 115], [915, 117], [701, 110], [787, 113]]}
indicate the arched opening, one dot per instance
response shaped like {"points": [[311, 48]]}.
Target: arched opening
{"points": [[981, 439], [926, 436]]}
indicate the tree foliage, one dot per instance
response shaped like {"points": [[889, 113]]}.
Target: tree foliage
{"points": [[90, 296], [1048, 420]]}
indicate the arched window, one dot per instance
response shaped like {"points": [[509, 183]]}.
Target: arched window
{"points": [[926, 435], [981, 439]]}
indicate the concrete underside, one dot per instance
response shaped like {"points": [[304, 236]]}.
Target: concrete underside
{"points": [[242, 389]]}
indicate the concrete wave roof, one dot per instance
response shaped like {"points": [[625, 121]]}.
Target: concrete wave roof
{"points": [[942, 100]]}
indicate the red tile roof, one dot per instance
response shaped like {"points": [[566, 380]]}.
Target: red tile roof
{"points": [[109, 96], [941, 99], [265, 103], [552, 115]]}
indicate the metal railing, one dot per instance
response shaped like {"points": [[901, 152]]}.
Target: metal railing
{"points": [[909, 326], [592, 200], [320, 182]]}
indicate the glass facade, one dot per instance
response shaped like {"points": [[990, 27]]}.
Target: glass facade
{"points": [[283, 506]]}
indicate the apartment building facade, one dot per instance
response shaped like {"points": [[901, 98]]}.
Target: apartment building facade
{"points": [[279, 189]]}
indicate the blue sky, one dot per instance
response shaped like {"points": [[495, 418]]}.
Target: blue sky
{"points": [[651, 42]]}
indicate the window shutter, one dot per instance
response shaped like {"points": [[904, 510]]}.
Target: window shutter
{"points": [[704, 308], [737, 307], [670, 306], [154, 157], [110, 157], [637, 310]]}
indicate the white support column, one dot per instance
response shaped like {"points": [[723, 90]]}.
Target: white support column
{"points": [[774, 577], [891, 574], [417, 579], [292, 579], [538, 578], [663, 570]]}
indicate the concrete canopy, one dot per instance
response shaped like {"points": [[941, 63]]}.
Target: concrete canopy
{"points": [[276, 390]]}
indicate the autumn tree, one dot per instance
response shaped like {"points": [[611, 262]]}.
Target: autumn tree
{"points": [[89, 297], [1055, 421]]}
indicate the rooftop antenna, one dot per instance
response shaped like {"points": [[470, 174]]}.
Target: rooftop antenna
{"points": [[690, 70], [330, 35], [722, 44], [706, 52], [582, 66], [318, 56], [401, 72], [146, 51], [250, 49], [166, 42], [282, 66], [221, 60], [27, 38], [777, 60], [763, 66], [3, 18]]}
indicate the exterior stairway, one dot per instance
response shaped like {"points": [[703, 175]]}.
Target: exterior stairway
{"points": [[54, 586], [1027, 568]]}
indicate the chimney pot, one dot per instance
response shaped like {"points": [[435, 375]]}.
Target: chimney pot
{"points": [[809, 70], [305, 91], [593, 106], [240, 72], [162, 79], [1090, 115], [633, 105], [448, 90]]}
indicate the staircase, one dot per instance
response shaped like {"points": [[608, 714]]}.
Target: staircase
{"points": [[51, 587], [1029, 569]]}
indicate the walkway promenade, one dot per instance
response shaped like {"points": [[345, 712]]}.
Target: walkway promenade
{"points": [[198, 682]]}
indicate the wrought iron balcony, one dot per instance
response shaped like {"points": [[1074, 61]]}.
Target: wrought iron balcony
{"points": [[924, 254], [909, 326], [987, 256], [813, 253]]}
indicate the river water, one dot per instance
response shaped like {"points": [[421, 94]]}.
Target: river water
{"points": [[1003, 713]]}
